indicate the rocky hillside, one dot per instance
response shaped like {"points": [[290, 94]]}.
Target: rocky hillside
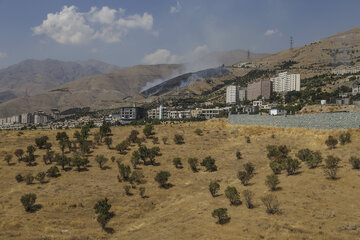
{"points": [[31, 77]]}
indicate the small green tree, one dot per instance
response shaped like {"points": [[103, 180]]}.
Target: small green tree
{"points": [[63, 140], [101, 160], [272, 181], [53, 172], [29, 179], [244, 177], [148, 130], [28, 201], [314, 159], [304, 154], [40, 177], [137, 176], [108, 142], [97, 138], [133, 136], [198, 132], [233, 195], [127, 190], [8, 158], [19, 153], [135, 159], [193, 162], [177, 162], [122, 147], [79, 161], [249, 168], [41, 141], [271, 203], [355, 162], [124, 171], [238, 155], [276, 167], [162, 177], [209, 164], [102, 208], [221, 215], [30, 158], [291, 165], [248, 196], [62, 160], [165, 140], [179, 139], [19, 178], [331, 166], [331, 142], [214, 187], [345, 138]]}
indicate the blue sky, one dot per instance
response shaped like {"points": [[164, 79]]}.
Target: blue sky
{"points": [[130, 32]]}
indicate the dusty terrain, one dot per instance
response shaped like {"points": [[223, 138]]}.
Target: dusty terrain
{"points": [[312, 206]]}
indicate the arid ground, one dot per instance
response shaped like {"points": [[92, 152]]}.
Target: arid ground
{"points": [[312, 206]]}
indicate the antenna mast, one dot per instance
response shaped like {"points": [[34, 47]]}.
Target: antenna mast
{"points": [[291, 42]]}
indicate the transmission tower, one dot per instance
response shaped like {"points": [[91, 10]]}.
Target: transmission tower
{"points": [[248, 54], [291, 42]]}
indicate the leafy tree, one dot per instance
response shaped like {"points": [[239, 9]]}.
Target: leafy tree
{"points": [[238, 155], [248, 195], [144, 153], [49, 157], [104, 130], [331, 142], [142, 192], [162, 177], [63, 140], [122, 147], [28, 201], [179, 139], [244, 177], [153, 152], [271, 203], [148, 130], [8, 158], [345, 138], [177, 162], [79, 161], [30, 158], [314, 159], [355, 162], [277, 152], [124, 171], [40, 177], [108, 142], [276, 167], [291, 165], [101, 160], [41, 141], [221, 214], [62, 160], [29, 179], [331, 166], [135, 159], [233, 195], [214, 187], [193, 162], [249, 168], [137, 176], [304, 154], [53, 171], [97, 138], [133, 136], [209, 164], [198, 132], [19, 153], [19, 178], [155, 140], [127, 190], [272, 181], [102, 208]]}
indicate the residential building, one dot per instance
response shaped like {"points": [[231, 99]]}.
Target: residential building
{"points": [[232, 94], [242, 94], [129, 114], [348, 70], [355, 89], [258, 89], [277, 112], [286, 82], [210, 113], [160, 112], [40, 117]]}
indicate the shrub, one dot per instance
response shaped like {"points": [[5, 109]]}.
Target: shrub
{"points": [[108, 141], [345, 138], [276, 167], [122, 147], [8, 158], [148, 130], [28, 201], [331, 142], [238, 155], [291, 165], [355, 162], [79, 161], [331, 167], [277, 152], [249, 168], [40, 177], [101, 160], [177, 162], [193, 162], [29, 179], [162, 177], [53, 171], [133, 136], [304, 154], [19, 153], [272, 181], [127, 190], [102, 208], [314, 159], [142, 192], [62, 160], [41, 141], [124, 171], [135, 159], [198, 132], [209, 164], [248, 196], [247, 139], [179, 139], [221, 214], [233, 195], [271, 203], [165, 139], [113, 158], [214, 187], [19, 178], [244, 177], [137, 176]]}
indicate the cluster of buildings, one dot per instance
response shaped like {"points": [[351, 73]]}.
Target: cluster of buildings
{"points": [[284, 82], [348, 70], [35, 118]]}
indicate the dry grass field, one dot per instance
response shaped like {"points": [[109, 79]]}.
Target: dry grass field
{"points": [[312, 206]]}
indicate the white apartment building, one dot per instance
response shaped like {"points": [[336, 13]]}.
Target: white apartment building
{"points": [[286, 82], [232, 94]]}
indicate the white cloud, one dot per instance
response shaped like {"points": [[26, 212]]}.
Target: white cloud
{"points": [[177, 8], [109, 25], [3, 55], [270, 32], [198, 51]]}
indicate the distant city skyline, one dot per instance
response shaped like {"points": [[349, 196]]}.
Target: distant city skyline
{"points": [[128, 32]]}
